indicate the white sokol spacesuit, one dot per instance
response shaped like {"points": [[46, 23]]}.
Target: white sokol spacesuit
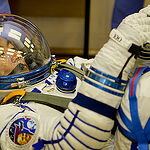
{"points": [[133, 117], [89, 118]]}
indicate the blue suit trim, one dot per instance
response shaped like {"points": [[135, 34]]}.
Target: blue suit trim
{"points": [[41, 142], [105, 81], [103, 88], [80, 141], [88, 123], [137, 134], [107, 75], [95, 106], [86, 133]]}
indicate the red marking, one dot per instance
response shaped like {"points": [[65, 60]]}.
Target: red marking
{"points": [[133, 79]]}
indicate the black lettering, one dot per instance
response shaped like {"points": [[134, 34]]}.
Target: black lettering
{"points": [[117, 37]]}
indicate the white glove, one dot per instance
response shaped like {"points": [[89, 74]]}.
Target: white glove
{"points": [[79, 62]]}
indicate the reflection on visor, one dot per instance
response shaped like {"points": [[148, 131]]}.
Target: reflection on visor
{"points": [[22, 46], [10, 59]]}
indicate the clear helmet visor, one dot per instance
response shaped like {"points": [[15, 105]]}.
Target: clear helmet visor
{"points": [[22, 46]]}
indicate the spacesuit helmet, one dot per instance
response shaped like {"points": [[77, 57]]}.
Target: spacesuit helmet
{"points": [[25, 56]]}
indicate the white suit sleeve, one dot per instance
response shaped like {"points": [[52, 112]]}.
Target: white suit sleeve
{"points": [[88, 121]]}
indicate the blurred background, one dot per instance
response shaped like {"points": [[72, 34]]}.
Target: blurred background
{"points": [[71, 27]]}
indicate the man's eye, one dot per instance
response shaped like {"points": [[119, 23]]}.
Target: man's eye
{"points": [[1, 54]]}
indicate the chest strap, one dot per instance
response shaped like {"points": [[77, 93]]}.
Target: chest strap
{"points": [[20, 96], [136, 133], [76, 71]]}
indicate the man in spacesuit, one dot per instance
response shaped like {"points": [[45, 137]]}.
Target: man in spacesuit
{"points": [[89, 118]]}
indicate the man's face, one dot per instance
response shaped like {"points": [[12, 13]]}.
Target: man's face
{"points": [[10, 59]]}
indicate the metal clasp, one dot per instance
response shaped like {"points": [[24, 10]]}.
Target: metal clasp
{"points": [[14, 97], [20, 83]]}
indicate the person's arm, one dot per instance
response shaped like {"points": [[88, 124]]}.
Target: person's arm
{"points": [[123, 8], [89, 119], [4, 7]]}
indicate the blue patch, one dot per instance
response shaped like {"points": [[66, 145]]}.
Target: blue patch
{"points": [[22, 130]]}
